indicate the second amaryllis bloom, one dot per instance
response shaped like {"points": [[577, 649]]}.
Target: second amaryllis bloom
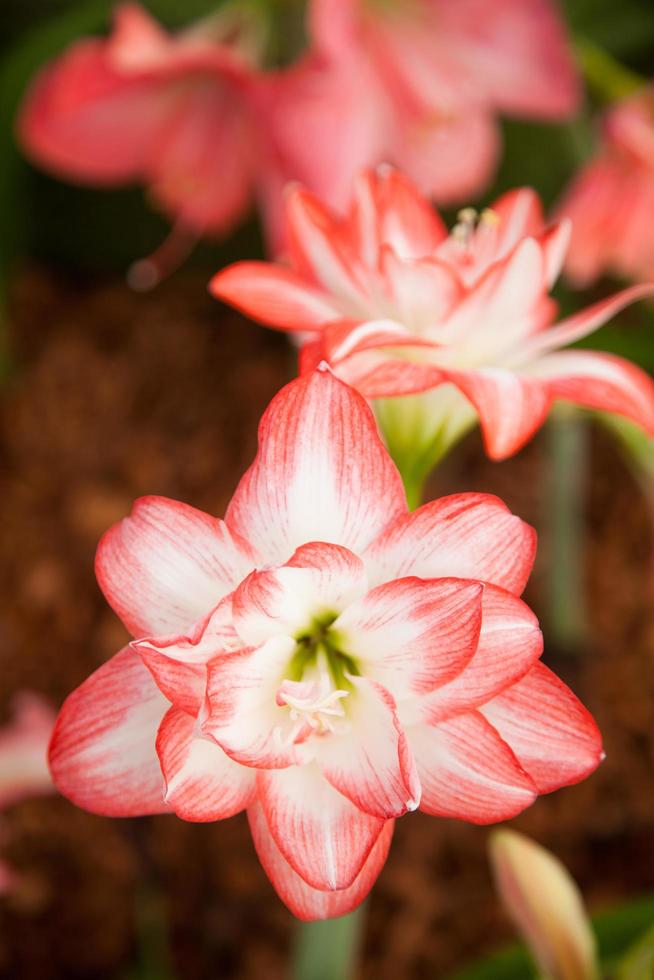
{"points": [[398, 306], [611, 199], [321, 658]]}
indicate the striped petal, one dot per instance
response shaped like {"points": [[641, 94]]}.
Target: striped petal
{"points": [[167, 564], [305, 902], [274, 295], [322, 835], [102, 753], [321, 473], [202, 783], [413, 635], [467, 771], [467, 535], [551, 733]]}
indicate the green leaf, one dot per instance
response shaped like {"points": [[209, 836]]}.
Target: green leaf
{"points": [[638, 964]]}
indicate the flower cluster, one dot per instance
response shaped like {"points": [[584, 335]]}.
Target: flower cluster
{"points": [[322, 658], [397, 306], [198, 119]]}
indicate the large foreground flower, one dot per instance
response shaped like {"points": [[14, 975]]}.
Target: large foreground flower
{"points": [[397, 307], [611, 199], [321, 658]]}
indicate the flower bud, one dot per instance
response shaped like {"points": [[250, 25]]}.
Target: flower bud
{"points": [[546, 906]]}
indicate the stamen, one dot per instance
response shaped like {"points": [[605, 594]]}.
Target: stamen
{"points": [[466, 224], [315, 707]]}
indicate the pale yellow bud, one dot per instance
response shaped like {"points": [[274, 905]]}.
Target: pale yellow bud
{"points": [[546, 906]]}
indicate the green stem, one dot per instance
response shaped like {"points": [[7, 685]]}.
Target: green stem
{"points": [[564, 503], [607, 79], [329, 950]]}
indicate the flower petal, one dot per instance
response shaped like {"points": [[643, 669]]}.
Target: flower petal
{"points": [[586, 321], [450, 157], [324, 837], [243, 716], [83, 120], [510, 642], [388, 209], [467, 535], [23, 749], [321, 472], [102, 753], [167, 564], [468, 772], [602, 381], [202, 783], [178, 662], [552, 734], [371, 764], [412, 635], [511, 407], [183, 684], [319, 248], [319, 580], [274, 295], [305, 902]]}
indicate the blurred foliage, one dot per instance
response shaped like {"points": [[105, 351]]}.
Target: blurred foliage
{"points": [[623, 935]]}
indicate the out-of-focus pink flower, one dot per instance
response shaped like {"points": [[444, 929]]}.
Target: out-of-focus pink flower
{"points": [[425, 81], [397, 307], [173, 112], [611, 200], [322, 658], [24, 771], [23, 749]]}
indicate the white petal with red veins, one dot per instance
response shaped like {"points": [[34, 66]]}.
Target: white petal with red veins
{"points": [[202, 783], [468, 535], [601, 381], [412, 635], [552, 734], [243, 715], [371, 764], [167, 564], [102, 753], [511, 407], [320, 579], [467, 771], [510, 642], [310, 903], [322, 835], [321, 473]]}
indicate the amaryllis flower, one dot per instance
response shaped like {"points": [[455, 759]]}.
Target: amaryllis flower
{"points": [[397, 307], [172, 112], [321, 658], [611, 199], [440, 72]]}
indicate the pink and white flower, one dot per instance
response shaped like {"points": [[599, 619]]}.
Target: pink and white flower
{"points": [[321, 658], [24, 771], [611, 199], [399, 307], [427, 80], [171, 112]]}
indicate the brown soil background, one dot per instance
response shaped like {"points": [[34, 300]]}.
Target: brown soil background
{"points": [[114, 395]]}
